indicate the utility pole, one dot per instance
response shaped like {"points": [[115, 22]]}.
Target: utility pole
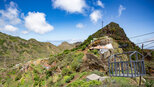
{"points": [[140, 76]]}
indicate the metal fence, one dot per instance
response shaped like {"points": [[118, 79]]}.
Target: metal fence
{"points": [[128, 64]]}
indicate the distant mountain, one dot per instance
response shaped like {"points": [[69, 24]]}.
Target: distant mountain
{"points": [[77, 44], [114, 31], [17, 48], [65, 45]]}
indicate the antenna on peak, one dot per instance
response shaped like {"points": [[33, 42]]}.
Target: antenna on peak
{"points": [[102, 24]]}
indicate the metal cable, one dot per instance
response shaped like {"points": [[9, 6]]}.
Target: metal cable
{"points": [[145, 42], [141, 35]]}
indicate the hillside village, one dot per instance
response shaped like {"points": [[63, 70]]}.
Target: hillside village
{"points": [[84, 65]]}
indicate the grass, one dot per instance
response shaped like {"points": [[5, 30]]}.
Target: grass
{"points": [[149, 83], [120, 82], [82, 83]]}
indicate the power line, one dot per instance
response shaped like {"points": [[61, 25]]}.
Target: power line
{"points": [[148, 44], [149, 47], [145, 42], [141, 35]]}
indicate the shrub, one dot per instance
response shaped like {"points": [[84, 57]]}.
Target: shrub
{"points": [[1, 42], [82, 74], [66, 71], [98, 73], [76, 83], [49, 82], [77, 60], [13, 71], [92, 83], [66, 51], [67, 79], [22, 81], [49, 73], [82, 83], [122, 81], [58, 84], [18, 77], [42, 83], [75, 66], [83, 47], [36, 77], [95, 51], [149, 83], [36, 83]]}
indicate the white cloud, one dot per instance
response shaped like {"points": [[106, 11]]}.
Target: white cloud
{"points": [[121, 8], [95, 16], [2, 22], [24, 32], [10, 28], [11, 14], [99, 3], [9, 17], [79, 25], [36, 22], [71, 6]]}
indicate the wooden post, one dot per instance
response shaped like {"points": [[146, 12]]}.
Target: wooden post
{"points": [[140, 72]]}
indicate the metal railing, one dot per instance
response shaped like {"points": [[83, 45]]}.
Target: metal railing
{"points": [[130, 64]]}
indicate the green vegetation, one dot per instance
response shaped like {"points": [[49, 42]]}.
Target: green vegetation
{"points": [[95, 52], [67, 79], [98, 73], [83, 83], [149, 83], [120, 82], [24, 50], [2, 41], [67, 68], [39, 76], [66, 71], [70, 59]]}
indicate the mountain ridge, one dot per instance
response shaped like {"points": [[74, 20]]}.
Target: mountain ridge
{"points": [[114, 31], [13, 47]]}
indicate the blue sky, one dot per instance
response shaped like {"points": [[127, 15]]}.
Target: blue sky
{"points": [[74, 20]]}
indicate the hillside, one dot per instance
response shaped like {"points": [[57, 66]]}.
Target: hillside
{"points": [[21, 50], [71, 68]]}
